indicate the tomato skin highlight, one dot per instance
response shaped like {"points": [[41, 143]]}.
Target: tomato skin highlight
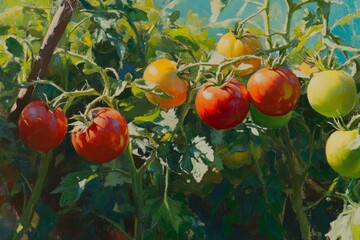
{"points": [[267, 121], [164, 73], [274, 92], [229, 46], [41, 128], [343, 160], [332, 93], [105, 139], [222, 107]]}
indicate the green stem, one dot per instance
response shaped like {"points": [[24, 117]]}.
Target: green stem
{"points": [[267, 24], [297, 181], [288, 19], [137, 186], [166, 186], [34, 198]]}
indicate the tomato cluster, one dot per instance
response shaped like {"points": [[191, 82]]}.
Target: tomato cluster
{"points": [[104, 139], [337, 98]]}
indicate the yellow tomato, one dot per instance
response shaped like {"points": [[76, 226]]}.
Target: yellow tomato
{"points": [[163, 72], [230, 46], [236, 159]]}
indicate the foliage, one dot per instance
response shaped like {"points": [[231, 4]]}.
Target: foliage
{"points": [[170, 182]]}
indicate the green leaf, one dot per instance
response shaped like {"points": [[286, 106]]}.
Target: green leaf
{"points": [[14, 47], [167, 122], [341, 227], [72, 186], [149, 117], [137, 15], [171, 212], [195, 157], [174, 16], [346, 19], [114, 179], [6, 129], [305, 37], [169, 155], [270, 227]]}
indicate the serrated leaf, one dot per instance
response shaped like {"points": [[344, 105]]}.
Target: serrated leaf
{"points": [[72, 186], [169, 155], [341, 227], [195, 156], [167, 121], [114, 179], [169, 211]]}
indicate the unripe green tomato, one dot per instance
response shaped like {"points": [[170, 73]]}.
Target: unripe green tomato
{"points": [[355, 224], [340, 157], [267, 121], [332, 93]]}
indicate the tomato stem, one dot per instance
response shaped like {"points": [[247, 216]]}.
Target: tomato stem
{"points": [[35, 196], [137, 186], [297, 184]]}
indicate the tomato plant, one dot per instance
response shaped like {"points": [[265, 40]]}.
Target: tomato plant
{"points": [[176, 132], [222, 107], [340, 155], [104, 139], [274, 92], [40, 127], [332, 93], [163, 73]]}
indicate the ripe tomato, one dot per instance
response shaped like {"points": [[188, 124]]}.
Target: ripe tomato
{"points": [[274, 92], [40, 127], [235, 160], [105, 138], [332, 93], [267, 121], [222, 107], [164, 73], [342, 159], [229, 46]]}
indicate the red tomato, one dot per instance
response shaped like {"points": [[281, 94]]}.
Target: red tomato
{"points": [[274, 92], [105, 138], [222, 107], [40, 127]]}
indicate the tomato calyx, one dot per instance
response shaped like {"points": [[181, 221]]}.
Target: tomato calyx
{"points": [[83, 121]]}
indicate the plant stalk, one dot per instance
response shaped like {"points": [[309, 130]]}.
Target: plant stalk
{"points": [[297, 185], [137, 186], [34, 198]]}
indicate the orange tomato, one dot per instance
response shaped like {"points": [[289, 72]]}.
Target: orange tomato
{"points": [[164, 73], [230, 46]]}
